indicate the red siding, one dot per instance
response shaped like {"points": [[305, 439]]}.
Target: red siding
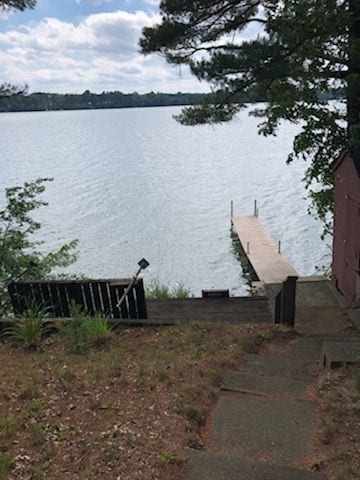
{"points": [[346, 246]]}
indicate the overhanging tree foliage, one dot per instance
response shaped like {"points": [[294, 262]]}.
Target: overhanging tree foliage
{"points": [[17, 4], [301, 49]]}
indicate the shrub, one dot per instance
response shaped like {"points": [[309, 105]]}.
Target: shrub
{"points": [[82, 331]]}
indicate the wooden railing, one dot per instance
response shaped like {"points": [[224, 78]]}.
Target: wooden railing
{"points": [[93, 296]]}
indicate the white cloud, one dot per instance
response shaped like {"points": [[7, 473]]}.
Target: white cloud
{"points": [[117, 32], [155, 3], [93, 2], [99, 53]]}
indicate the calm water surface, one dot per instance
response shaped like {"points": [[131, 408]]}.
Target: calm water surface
{"points": [[131, 183]]}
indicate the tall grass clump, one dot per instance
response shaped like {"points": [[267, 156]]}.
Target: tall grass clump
{"points": [[74, 331], [159, 291], [99, 330], [82, 331]]}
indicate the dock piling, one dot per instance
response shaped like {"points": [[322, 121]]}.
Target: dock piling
{"points": [[279, 246], [256, 212]]}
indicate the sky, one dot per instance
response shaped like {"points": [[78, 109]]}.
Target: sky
{"points": [[69, 46]]}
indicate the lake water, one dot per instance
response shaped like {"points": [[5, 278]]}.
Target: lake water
{"points": [[134, 183]]}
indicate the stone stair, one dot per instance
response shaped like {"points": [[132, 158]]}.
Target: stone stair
{"points": [[212, 466], [263, 426]]}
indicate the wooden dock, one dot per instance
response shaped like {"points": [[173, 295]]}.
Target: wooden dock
{"points": [[262, 251]]}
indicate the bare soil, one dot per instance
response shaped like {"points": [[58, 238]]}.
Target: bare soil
{"points": [[339, 431], [126, 411]]}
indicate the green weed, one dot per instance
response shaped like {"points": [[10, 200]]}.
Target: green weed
{"points": [[7, 463], [166, 458], [36, 433]]}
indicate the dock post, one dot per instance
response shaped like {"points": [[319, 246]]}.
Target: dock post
{"points": [[279, 246], [255, 209], [288, 301], [231, 211]]}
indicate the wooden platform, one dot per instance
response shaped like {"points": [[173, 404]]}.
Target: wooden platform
{"points": [[261, 250]]}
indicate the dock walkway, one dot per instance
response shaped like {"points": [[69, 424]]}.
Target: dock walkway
{"points": [[262, 252]]}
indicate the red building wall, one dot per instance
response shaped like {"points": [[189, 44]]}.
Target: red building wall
{"points": [[346, 245]]}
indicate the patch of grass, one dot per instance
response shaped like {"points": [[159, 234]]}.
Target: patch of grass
{"points": [[249, 344], [74, 332], [83, 331], [7, 464], [37, 474], [327, 431], [36, 410], [346, 471], [28, 392], [7, 431], [332, 402], [167, 458], [99, 330], [37, 435], [161, 373], [191, 412]]}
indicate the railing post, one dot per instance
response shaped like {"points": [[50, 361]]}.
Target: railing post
{"points": [[288, 301]]}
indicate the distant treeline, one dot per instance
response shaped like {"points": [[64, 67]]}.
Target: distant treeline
{"points": [[87, 100]]}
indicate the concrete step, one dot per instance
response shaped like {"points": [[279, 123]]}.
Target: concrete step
{"points": [[276, 366], [210, 466], [264, 385], [252, 427], [341, 352]]}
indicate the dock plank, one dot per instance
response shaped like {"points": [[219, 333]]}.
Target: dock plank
{"points": [[270, 265]]}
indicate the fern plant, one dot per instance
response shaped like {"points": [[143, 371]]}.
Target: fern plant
{"points": [[30, 328]]}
